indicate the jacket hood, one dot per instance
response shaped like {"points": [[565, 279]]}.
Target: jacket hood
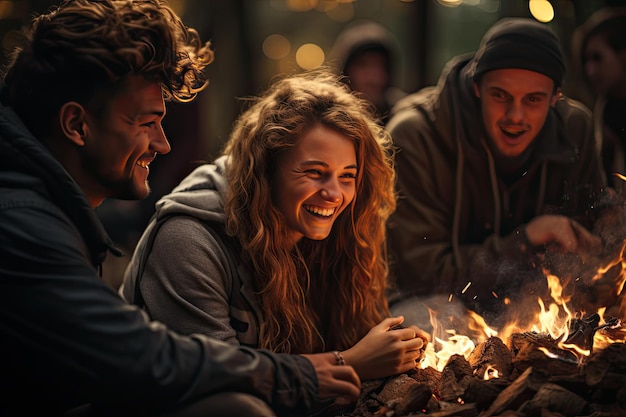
{"points": [[454, 91], [444, 100], [604, 21], [200, 194], [359, 37], [25, 163], [453, 112]]}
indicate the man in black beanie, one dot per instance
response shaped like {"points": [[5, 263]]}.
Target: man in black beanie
{"points": [[494, 166]]}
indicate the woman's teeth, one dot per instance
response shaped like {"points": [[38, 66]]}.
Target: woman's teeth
{"points": [[319, 211]]}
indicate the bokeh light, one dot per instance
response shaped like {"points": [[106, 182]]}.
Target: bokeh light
{"points": [[310, 56], [276, 46], [325, 6], [301, 5], [6, 8], [541, 10]]}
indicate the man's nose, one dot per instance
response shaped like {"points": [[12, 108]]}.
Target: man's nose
{"points": [[515, 112], [160, 143]]}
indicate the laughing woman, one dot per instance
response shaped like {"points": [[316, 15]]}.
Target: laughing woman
{"points": [[279, 244]]}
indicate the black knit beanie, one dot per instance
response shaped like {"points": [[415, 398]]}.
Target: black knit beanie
{"points": [[520, 43]]}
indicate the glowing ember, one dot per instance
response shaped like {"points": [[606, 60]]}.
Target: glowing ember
{"points": [[490, 373]]}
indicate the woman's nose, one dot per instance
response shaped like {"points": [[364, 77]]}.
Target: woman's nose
{"points": [[331, 192]]}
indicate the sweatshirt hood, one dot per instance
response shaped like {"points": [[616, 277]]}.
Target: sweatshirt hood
{"points": [[201, 194], [549, 145], [359, 37], [453, 100]]}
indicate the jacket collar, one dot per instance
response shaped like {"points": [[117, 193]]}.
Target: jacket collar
{"points": [[21, 152]]}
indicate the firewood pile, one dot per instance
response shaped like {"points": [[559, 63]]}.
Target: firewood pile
{"points": [[531, 376]]}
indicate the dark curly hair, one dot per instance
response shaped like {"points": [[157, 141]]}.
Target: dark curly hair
{"points": [[82, 48]]}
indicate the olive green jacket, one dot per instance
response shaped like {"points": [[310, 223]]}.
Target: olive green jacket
{"points": [[459, 228]]}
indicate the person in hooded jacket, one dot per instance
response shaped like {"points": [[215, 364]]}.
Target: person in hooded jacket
{"points": [[495, 167], [80, 120], [366, 53], [600, 48], [279, 244]]}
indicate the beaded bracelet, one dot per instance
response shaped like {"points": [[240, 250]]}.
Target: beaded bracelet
{"points": [[339, 357]]}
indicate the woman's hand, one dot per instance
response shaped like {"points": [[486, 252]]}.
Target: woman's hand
{"points": [[387, 351]]}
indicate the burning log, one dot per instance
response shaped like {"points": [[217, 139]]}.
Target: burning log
{"points": [[556, 399], [491, 358], [541, 351], [455, 378], [464, 382], [521, 390], [403, 395], [429, 376], [583, 330], [398, 396], [416, 399], [606, 374]]}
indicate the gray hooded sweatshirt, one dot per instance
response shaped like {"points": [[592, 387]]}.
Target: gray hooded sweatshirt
{"points": [[186, 272]]}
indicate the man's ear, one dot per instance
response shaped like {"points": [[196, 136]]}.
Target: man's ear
{"points": [[476, 89], [556, 96], [72, 122]]}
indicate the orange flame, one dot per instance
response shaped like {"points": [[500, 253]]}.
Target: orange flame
{"points": [[555, 320]]}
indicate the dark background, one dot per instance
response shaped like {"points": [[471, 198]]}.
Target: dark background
{"points": [[428, 33]]}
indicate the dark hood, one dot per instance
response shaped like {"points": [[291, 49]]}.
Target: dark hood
{"points": [[359, 37]]}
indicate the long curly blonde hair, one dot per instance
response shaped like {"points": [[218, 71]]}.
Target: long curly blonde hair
{"points": [[323, 294]]}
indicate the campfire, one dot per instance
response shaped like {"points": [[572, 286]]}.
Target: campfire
{"points": [[568, 360]]}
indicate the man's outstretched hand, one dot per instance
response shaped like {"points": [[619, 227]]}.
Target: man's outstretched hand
{"points": [[335, 381], [560, 231]]}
